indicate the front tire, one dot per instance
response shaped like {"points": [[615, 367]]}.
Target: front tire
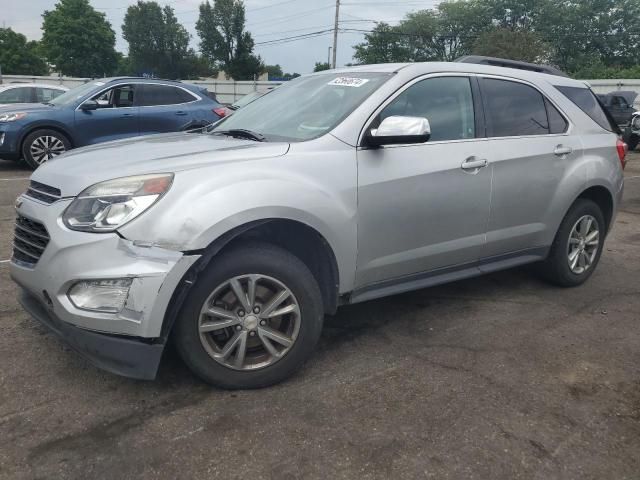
{"points": [[252, 319], [576, 250], [42, 145]]}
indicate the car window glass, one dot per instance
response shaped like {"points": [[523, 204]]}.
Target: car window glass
{"points": [[117, 97], [447, 103], [620, 102], [16, 95], [557, 123], [45, 95], [514, 109], [164, 95], [585, 99]]}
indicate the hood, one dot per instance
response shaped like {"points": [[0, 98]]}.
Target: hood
{"points": [[78, 169], [25, 107]]}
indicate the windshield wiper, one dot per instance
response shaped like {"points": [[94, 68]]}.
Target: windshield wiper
{"points": [[241, 133]]}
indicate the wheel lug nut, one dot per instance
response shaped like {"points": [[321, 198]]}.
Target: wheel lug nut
{"points": [[263, 322], [239, 327], [256, 310], [253, 334], [241, 313]]}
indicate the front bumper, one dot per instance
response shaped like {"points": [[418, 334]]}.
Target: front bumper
{"points": [[125, 356]]}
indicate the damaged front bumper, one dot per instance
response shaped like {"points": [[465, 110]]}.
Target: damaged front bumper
{"points": [[72, 256]]}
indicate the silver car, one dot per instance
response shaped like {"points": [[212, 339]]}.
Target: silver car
{"points": [[336, 188]]}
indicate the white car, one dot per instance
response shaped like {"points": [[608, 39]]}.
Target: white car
{"points": [[29, 93]]}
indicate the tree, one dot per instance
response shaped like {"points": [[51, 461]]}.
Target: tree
{"points": [[321, 66], [19, 57], [273, 71], [512, 44], [224, 41], [290, 76], [158, 43], [78, 40], [384, 44]]}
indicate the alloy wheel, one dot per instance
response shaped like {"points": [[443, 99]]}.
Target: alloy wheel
{"points": [[583, 244], [249, 322], [45, 148]]}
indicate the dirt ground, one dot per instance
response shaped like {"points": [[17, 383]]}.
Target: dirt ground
{"points": [[499, 377]]}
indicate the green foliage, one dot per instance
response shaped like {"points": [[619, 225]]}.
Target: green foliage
{"points": [[274, 71], [159, 44], [321, 66], [78, 40], [577, 36], [224, 41], [290, 76], [19, 57], [521, 45]]}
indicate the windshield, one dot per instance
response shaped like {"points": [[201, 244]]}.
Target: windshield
{"points": [[75, 93], [305, 108]]}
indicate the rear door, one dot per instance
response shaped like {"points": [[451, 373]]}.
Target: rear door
{"points": [[620, 110], [532, 150], [116, 117], [165, 108]]}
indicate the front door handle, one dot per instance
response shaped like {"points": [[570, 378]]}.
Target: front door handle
{"points": [[127, 115], [562, 151], [474, 164], [181, 113]]}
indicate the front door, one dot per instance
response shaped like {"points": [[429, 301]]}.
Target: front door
{"points": [[421, 207], [116, 117]]}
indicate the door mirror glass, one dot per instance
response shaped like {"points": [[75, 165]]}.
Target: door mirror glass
{"points": [[396, 130], [90, 105]]}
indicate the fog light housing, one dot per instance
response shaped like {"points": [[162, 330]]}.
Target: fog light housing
{"points": [[106, 296]]}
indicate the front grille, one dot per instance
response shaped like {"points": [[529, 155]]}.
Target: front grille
{"points": [[29, 241], [43, 192]]}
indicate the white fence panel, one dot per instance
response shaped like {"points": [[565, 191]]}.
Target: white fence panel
{"points": [[227, 91]]}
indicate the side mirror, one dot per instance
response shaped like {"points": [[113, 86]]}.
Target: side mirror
{"points": [[396, 130], [89, 105]]}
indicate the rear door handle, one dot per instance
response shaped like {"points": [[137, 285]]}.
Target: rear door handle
{"points": [[562, 151], [181, 113], [474, 164], [127, 114]]}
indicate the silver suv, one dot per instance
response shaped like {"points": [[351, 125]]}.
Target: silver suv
{"points": [[336, 188]]}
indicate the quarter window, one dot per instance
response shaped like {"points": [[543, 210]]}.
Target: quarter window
{"points": [[164, 95], [446, 102], [45, 95], [514, 109]]}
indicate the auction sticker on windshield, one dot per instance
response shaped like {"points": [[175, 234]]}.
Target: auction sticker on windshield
{"points": [[348, 81]]}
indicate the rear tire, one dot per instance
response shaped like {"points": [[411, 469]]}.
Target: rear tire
{"points": [[43, 145], [207, 346], [577, 247]]}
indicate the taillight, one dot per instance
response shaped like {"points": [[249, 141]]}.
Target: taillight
{"points": [[622, 152], [220, 111]]}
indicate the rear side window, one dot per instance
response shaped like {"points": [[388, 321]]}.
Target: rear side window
{"points": [[588, 103], [16, 95], [164, 95], [514, 109], [47, 94]]}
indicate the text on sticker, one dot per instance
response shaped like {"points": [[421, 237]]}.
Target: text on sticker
{"points": [[348, 81]]}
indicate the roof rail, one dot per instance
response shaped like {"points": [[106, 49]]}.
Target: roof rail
{"points": [[502, 62]]}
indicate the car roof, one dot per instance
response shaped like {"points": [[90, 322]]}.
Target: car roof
{"points": [[424, 68], [7, 86]]}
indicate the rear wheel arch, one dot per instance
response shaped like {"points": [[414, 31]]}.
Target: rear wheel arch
{"points": [[602, 197]]}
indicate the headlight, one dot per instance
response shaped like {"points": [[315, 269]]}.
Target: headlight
{"points": [[106, 206], [12, 117], [636, 123]]}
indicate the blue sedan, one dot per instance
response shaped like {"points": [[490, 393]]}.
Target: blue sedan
{"points": [[100, 111]]}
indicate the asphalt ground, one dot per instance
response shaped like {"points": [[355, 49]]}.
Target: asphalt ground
{"points": [[499, 377]]}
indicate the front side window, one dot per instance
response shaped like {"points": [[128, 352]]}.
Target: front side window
{"points": [[116, 97], [513, 109], [153, 95], [305, 108], [447, 102], [16, 95]]}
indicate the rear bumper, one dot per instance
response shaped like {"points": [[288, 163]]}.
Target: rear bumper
{"points": [[126, 356]]}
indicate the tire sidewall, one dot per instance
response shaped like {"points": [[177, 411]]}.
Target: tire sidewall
{"points": [[566, 276], [265, 260], [29, 139]]}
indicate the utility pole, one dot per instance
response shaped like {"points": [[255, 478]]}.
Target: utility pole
{"points": [[329, 57], [335, 34]]}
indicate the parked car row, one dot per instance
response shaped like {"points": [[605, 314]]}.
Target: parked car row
{"points": [[29, 93], [337, 188], [101, 111]]}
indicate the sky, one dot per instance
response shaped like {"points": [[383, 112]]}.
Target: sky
{"points": [[267, 20]]}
